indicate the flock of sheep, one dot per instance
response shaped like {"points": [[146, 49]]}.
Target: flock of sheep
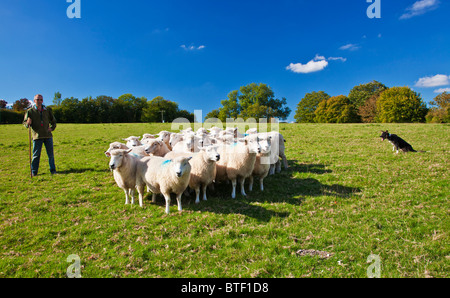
{"points": [[173, 162]]}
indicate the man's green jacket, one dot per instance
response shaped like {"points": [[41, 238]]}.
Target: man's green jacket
{"points": [[40, 122]]}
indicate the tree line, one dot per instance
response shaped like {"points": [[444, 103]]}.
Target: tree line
{"points": [[368, 103], [372, 102], [103, 109]]}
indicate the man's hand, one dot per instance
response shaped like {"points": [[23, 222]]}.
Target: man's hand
{"points": [[29, 121]]}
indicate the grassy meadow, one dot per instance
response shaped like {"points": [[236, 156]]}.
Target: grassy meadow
{"points": [[345, 196]]}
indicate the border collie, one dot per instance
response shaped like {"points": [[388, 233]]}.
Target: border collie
{"points": [[397, 142]]}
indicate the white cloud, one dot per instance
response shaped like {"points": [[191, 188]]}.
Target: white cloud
{"points": [[442, 90], [419, 7], [317, 64], [435, 81], [350, 47], [192, 48], [337, 58]]}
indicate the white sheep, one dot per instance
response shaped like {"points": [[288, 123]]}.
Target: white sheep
{"points": [[203, 168], [262, 162], [132, 141], [124, 167], [163, 176], [164, 136], [277, 151], [156, 147], [138, 151], [189, 143], [237, 162]]}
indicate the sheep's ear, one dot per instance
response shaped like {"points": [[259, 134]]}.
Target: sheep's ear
{"points": [[107, 154], [189, 158], [128, 151]]}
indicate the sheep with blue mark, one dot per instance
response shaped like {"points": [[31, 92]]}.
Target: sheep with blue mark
{"points": [[163, 176]]}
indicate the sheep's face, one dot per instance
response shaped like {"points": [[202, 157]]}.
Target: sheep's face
{"points": [[252, 142], [152, 146], [175, 138], [265, 144], [211, 153], [181, 166], [114, 146], [164, 136], [117, 158], [132, 141]]}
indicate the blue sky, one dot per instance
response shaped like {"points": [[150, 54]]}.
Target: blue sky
{"points": [[195, 52]]}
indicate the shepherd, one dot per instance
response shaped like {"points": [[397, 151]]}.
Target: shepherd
{"points": [[42, 122]]}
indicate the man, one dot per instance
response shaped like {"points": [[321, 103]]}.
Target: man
{"points": [[42, 123]]}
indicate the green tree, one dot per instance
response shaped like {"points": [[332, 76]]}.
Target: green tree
{"points": [[253, 101], [336, 109], [308, 105], [361, 93], [230, 107], [159, 109], [400, 105], [57, 99]]}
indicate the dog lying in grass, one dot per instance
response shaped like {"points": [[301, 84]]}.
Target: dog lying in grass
{"points": [[397, 142]]}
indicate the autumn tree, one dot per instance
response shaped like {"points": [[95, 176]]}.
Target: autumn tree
{"points": [[21, 105], [440, 112]]}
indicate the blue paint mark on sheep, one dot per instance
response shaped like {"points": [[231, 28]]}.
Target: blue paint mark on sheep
{"points": [[166, 162]]}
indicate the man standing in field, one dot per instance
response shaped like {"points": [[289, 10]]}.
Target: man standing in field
{"points": [[42, 123]]}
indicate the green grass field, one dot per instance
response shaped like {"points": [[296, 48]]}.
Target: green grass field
{"points": [[346, 194]]}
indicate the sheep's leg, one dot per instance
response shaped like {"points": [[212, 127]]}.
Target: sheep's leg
{"points": [[285, 163], [272, 169], [127, 198], [153, 198], [140, 189], [197, 194], [179, 202], [242, 182], [261, 184], [204, 192], [131, 191], [278, 165], [250, 183], [167, 197], [233, 192]]}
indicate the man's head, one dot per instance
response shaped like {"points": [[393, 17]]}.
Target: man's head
{"points": [[38, 100]]}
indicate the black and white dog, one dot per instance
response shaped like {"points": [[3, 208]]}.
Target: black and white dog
{"points": [[397, 142]]}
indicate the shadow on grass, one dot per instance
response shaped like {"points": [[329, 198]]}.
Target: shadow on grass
{"points": [[283, 187], [83, 170]]}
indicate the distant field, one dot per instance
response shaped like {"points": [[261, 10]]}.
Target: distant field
{"points": [[345, 196]]}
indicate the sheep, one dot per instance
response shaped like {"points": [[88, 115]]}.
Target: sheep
{"points": [[214, 131], [164, 176], [138, 151], [188, 143], [156, 147], [164, 136], [146, 137], [124, 167], [277, 151], [262, 162], [237, 162], [203, 168], [174, 139], [132, 141]]}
